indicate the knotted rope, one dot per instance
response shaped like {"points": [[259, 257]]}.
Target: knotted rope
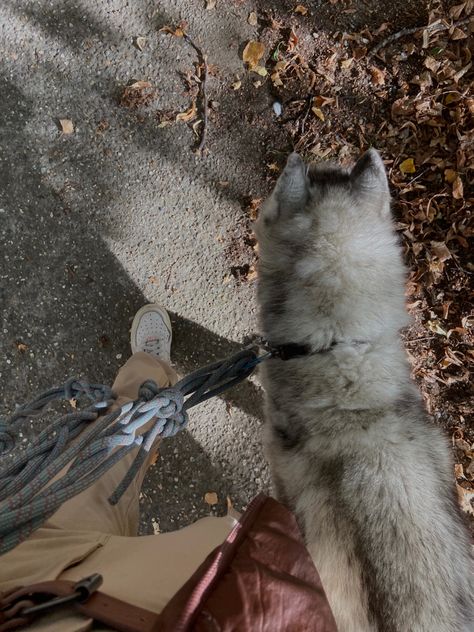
{"points": [[90, 441]]}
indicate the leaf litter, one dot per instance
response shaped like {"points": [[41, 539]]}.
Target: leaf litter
{"points": [[410, 95]]}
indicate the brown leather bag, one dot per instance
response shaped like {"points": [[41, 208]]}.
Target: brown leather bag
{"points": [[261, 578]]}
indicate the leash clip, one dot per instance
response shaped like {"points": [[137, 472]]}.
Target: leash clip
{"points": [[83, 590]]}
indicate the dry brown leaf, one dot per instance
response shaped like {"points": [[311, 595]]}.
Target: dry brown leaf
{"points": [[211, 498], [21, 346], [188, 114], [140, 42], [236, 85], [292, 41], [195, 127], [252, 19], [378, 76], [281, 65], [466, 498], [458, 189], [139, 85], [346, 63], [154, 457], [253, 208], [253, 53], [301, 9], [432, 64], [273, 167], [408, 166], [319, 101], [458, 470], [318, 112], [137, 94], [456, 10], [440, 250], [67, 126], [458, 34], [251, 274], [179, 31], [435, 327], [450, 175], [470, 470], [276, 79], [210, 4]]}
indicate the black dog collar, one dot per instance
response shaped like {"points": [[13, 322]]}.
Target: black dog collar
{"points": [[292, 350]]}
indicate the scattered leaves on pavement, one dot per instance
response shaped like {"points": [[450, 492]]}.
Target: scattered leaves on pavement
{"points": [[138, 94], [178, 31], [253, 53], [252, 19], [187, 115], [66, 126], [301, 9], [140, 42], [211, 498]]}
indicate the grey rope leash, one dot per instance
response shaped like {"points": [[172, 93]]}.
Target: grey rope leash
{"points": [[92, 440]]}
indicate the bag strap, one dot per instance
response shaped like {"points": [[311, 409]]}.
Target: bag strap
{"points": [[19, 607]]}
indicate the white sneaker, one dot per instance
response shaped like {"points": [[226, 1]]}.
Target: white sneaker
{"points": [[151, 331]]}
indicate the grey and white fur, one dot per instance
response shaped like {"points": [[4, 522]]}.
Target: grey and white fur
{"points": [[352, 451]]}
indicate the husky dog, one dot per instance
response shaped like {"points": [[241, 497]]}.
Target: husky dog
{"points": [[352, 451]]}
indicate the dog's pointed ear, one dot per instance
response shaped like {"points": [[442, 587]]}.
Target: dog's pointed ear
{"points": [[369, 173], [292, 186], [291, 191]]}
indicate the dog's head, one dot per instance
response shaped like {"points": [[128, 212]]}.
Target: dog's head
{"points": [[330, 266]]}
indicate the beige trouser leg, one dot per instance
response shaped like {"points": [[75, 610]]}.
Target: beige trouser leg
{"points": [[88, 535], [91, 509]]}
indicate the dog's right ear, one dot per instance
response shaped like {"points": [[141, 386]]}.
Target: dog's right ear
{"points": [[291, 191], [369, 173]]}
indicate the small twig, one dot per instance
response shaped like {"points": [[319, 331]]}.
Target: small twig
{"points": [[169, 276], [409, 341], [308, 110], [436, 26], [203, 90]]}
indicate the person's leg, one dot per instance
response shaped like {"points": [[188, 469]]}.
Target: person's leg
{"points": [[90, 510]]}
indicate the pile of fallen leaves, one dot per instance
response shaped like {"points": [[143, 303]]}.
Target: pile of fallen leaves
{"points": [[137, 95], [410, 95]]}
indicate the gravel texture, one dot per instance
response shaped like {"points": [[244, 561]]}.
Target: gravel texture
{"points": [[121, 212]]}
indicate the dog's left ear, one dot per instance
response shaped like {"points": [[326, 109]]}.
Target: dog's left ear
{"points": [[291, 191], [369, 173]]}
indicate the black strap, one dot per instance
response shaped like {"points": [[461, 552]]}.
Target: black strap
{"points": [[289, 351]]}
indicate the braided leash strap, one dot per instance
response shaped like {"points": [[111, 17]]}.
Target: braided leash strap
{"points": [[90, 441]]}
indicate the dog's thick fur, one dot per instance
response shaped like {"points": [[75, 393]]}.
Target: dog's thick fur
{"points": [[351, 448]]}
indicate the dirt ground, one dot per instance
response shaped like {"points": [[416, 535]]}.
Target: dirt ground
{"points": [[108, 203], [398, 78]]}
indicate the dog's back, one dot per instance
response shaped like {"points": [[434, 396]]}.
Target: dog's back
{"points": [[351, 449]]}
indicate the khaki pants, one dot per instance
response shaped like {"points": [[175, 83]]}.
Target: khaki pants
{"points": [[88, 535]]}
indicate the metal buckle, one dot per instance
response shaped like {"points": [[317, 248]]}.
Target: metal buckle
{"points": [[83, 589]]}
